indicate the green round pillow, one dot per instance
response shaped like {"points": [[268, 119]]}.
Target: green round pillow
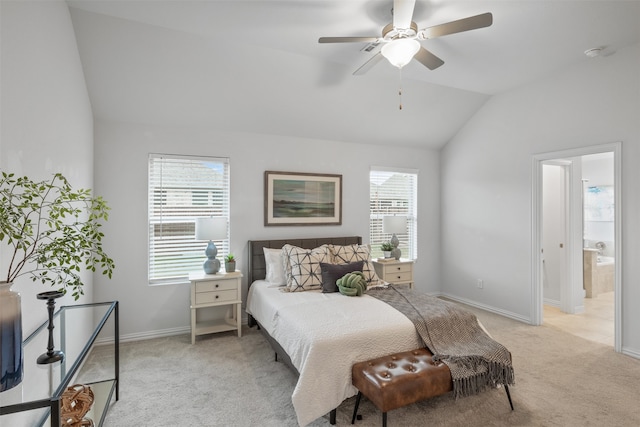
{"points": [[352, 284]]}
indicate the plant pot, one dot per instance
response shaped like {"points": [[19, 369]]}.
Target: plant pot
{"points": [[230, 266], [11, 357], [387, 254]]}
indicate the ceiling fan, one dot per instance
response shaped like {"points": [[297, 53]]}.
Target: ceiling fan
{"points": [[401, 38]]}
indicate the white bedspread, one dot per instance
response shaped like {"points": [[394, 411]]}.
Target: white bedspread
{"points": [[324, 335]]}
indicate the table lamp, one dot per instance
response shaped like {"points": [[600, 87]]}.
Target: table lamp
{"points": [[395, 225], [212, 228]]}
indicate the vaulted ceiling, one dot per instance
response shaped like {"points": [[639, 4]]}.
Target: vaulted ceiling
{"points": [[257, 66]]}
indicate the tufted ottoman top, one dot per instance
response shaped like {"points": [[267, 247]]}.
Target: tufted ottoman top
{"points": [[400, 379]]}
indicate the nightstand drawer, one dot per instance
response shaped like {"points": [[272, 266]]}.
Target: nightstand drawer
{"points": [[219, 296], [393, 277], [216, 285], [399, 268]]}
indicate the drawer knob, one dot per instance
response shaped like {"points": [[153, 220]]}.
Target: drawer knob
{"points": [[398, 268], [398, 277], [217, 296], [217, 285]]}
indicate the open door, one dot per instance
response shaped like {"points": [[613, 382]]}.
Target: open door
{"points": [[554, 233], [561, 217]]}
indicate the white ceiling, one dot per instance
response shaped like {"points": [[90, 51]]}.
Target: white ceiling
{"points": [[256, 66]]}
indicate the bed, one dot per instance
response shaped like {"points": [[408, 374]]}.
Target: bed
{"points": [[321, 335]]}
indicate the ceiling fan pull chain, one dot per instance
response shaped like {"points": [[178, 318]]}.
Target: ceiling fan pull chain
{"points": [[400, 90]]}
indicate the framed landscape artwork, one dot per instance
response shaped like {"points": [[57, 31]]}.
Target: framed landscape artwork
{"points": [[293, 198]]}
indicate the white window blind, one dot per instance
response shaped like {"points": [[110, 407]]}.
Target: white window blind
{"points": [[393, 192], [181, 189]]}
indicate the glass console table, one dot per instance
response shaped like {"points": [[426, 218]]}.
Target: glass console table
{"points": [[88, 334]]}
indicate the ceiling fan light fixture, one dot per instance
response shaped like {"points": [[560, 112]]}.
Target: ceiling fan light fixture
{"points": [[399, 52]]}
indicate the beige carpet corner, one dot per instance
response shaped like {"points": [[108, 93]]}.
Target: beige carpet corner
{"points": [[223, 380]]}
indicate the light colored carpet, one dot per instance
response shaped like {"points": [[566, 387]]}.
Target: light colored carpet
{"points": [[223, 380]]}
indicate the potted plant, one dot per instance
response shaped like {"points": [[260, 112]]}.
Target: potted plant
{"points": [[50, 232], [386, 247], [230, 263]]}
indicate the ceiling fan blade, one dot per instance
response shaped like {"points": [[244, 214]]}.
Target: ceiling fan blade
{"points": [[428, 59], [465, 24], [348, 39], [403, 13], [369, 64]]}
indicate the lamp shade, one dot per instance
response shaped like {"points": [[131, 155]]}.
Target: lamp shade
{"points": [[400, 51], [394, 224], [212, 228]]}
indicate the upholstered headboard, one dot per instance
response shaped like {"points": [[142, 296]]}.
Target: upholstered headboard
{"points": [[257, 268]]}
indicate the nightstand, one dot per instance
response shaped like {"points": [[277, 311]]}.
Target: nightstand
{"points": [[396, 272], [213, 290]]}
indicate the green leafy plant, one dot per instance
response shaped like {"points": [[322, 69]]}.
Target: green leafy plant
{"points": [[52, 231], [229, 258], [386, 246]]}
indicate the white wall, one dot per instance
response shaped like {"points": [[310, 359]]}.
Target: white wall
{"points": [[121, 154], [486, 180], [47, 124]]}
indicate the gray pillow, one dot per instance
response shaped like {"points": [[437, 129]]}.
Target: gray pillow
{"points": [[332, 272]]}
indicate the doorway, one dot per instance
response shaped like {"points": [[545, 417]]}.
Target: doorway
{"points": [[576, 238]]}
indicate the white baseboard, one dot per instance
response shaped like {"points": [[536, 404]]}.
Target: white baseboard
{"points": [[147, 335], [552, 303], [488, 308], [632, 353], [155, 334], [556, 304]]}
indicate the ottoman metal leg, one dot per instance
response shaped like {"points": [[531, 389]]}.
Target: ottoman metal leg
{"points": [[355, 409], [506, 388]]}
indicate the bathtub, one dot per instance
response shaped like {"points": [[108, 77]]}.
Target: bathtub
{"points": [[598, 273]]}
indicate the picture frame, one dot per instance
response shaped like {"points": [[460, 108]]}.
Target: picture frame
{"points": [[298, 198]]}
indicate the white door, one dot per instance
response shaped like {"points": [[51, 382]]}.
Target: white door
{"points": [[554, 226]]}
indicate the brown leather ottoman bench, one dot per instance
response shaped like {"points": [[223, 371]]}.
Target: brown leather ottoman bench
{"points": [[400, 379]]}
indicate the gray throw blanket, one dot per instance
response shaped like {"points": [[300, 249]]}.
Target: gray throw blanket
{"points": [[454, 337]]}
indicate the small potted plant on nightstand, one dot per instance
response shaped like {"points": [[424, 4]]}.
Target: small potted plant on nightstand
{"points": [[386, 247], [230, 263]]}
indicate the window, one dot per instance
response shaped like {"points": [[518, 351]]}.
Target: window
{"points": [[393, 192], [182, 189]]}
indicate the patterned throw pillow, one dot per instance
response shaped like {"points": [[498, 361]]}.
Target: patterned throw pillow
{"points": [[353, 253], [302, 267]]}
